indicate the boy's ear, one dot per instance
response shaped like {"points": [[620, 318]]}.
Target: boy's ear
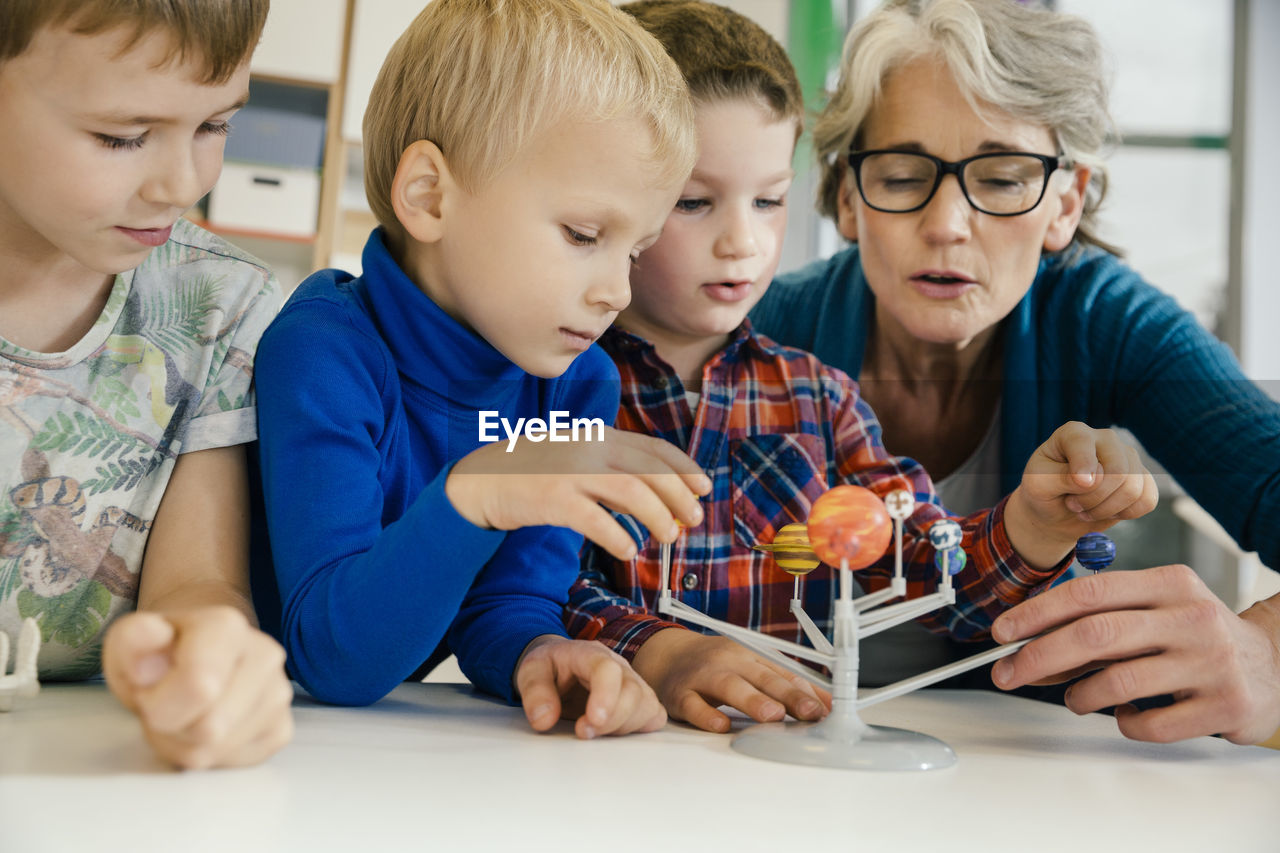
{"points": [[846, 207], [1070, 188], [418, 189]]}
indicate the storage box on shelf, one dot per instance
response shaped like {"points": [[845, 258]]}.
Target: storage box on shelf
{"points": [[268, 200], [278, 190], [270, 181]]}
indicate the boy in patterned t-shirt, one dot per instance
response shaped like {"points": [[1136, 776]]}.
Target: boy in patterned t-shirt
{"points": [[127, 337]]}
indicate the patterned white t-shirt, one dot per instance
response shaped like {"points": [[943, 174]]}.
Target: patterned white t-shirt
{"points": [[89, 437]]}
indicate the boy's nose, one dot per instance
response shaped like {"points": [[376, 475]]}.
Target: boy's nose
{"points": [[737, 239], [175, 180], [612, 289]]}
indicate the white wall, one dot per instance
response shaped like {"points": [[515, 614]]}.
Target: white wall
{"points": [[1260, 344], [302, 40], [377, 25]]}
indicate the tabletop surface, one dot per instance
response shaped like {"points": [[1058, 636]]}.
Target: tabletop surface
{"points": [[437, 766]]}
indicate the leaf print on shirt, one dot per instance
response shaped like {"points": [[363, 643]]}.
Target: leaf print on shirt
{"points": [[15, 537], [80, 435], [71, 619], [116, 397], [179, 320], [58, 430]]}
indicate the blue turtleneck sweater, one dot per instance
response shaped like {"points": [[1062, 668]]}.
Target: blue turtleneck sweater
{"points": [[367, 393]]}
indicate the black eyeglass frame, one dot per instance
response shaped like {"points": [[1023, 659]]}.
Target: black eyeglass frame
{"points": [[1051, 164]]}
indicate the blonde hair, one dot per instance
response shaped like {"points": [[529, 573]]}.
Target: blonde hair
{"points": [[480, 78], [219, 33], [1034, 64]]}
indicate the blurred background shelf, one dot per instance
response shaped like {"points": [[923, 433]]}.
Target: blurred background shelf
{"points": [[284, 164]]}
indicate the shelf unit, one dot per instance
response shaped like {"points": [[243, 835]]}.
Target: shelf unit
{"points": [[304, 48], [374, 26]]}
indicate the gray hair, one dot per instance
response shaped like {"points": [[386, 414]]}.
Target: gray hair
{"points": [[1034, 64]]}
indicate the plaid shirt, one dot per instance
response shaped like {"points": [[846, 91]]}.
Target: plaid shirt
{"points": [[774, 429]]}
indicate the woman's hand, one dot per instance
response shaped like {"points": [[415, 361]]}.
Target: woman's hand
{"points": [[1150, 633]]}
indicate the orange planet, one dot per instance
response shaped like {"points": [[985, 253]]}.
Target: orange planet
{"points": [[791, 550], [849, 523]]}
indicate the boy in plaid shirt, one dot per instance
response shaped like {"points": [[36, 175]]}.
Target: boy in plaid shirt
{"points": [[774, 428]]}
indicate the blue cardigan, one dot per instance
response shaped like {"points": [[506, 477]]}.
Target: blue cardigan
{"points": [[1091, 341], [367, 394]]}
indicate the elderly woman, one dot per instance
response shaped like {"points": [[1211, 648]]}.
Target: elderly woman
{"points": [[980, 311]]}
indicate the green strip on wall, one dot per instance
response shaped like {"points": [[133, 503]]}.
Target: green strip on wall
{"points": [[815, 34]]}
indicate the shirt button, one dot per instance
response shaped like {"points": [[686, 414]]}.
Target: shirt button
{"points": [[660, 383], [689, 581]]}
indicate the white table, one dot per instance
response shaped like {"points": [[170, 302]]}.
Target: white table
{"points": [[437, 767]]}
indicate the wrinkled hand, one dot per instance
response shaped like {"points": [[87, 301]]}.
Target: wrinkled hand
{"points": [[694, 674], [583, 680], [565, 484], [1080, 480], [1150, 633], [209, 689]]}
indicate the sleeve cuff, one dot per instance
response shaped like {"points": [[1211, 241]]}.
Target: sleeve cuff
{"points": [[1016, 576]]}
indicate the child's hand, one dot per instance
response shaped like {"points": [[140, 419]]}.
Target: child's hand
{"points": [[1080, 480], [209, 688], [694, 674], [565, 483], [584, 680]]}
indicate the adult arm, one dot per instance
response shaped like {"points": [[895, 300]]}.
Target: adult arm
{"points": [[1154, 370], [1160, 631]]}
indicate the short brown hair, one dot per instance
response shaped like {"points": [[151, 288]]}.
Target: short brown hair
{"points": [[723, 54], [480, 78], [220, 33]]}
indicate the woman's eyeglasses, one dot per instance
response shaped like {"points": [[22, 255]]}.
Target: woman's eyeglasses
{"points": [[1001, 184]]}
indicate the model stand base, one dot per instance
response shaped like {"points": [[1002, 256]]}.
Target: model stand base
{"points": [[825, 744], [849, 527]]}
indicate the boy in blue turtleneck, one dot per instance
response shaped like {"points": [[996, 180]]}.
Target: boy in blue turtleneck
{"points": [[398, 533]]}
